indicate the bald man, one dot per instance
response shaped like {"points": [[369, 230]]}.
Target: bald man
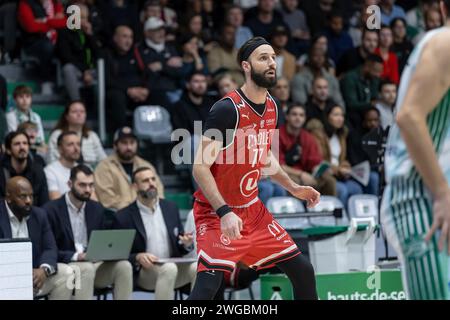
{"points": [[19, 219]]}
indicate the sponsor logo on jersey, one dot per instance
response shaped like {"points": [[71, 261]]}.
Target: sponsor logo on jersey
{"points": [[275, 228], [245, 115], [202, 229], [249, 183], [240, 105], [224, 239], [262, 123]]}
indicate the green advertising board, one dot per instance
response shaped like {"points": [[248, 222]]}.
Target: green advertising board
{"points": [[375, 285]]}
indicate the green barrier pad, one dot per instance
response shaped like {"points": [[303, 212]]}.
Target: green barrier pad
{"points": [[375, 285]]}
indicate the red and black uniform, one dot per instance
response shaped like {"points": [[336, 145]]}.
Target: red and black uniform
{"points": [[236, 171]]}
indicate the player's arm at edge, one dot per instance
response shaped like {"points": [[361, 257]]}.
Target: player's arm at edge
{"points": [[423, 95]]}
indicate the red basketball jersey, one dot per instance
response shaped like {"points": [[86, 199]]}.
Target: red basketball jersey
{"points": [[237, 168]]}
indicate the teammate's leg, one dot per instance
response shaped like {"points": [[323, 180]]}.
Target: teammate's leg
{"points": [[207, 285], [301, 273]]}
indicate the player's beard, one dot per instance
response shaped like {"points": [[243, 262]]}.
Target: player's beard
{"points": [[261, 80]]}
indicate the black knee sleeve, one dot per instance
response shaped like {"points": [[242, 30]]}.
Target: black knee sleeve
{"points": [[206, 285]]}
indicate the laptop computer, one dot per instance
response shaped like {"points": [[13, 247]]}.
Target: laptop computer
{"points": [[108, 245]]}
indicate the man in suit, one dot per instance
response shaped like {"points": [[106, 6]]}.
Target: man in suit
{"points": [[19, 219], [159, 235], [73, 217]]}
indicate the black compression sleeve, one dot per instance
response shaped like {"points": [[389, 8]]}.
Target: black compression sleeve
{"points": [[222, 116]]}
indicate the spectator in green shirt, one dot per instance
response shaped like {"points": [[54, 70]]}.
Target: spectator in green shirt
{"points": [[360, 88]]}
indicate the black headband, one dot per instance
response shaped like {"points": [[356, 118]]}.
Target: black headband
{"points": [[248, 51]]}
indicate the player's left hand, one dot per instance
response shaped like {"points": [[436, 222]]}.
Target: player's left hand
{"points": [[187, 239], [306, 193]]}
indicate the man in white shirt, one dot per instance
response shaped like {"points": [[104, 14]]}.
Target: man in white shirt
{"points": [[386, 104], [19, 219], [160, 235], [58, 172], [73, 217]]}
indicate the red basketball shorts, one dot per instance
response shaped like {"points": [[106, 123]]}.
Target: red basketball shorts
{"points": [[264, 241]]}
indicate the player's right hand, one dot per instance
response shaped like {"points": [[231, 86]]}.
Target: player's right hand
{"points": [[231, 226], [441, 220]]}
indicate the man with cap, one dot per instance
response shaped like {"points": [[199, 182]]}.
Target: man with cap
{"points": [[286, 66], [232, 222], [162, 61], [113, 175]]}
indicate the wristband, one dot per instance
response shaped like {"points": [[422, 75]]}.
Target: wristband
{"points": [[223, 210]]}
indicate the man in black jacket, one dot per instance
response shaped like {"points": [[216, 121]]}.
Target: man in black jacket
{"points": [[77, 50], [159, 235], [73, 217], [17, 162], [19, 219], [127, 78]]}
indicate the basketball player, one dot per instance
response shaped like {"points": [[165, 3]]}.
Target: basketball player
{"points": [[232, 224], [416, 202]]}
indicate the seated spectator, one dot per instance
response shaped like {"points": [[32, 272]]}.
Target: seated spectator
{"points": [[433, 20], [300, 155], [225, 84], [17, 162], [415, 18], [319, 42], [20, 219], [390, 61], [332, 139], [162, 62], [317, 13], [212, 16], [193, 59], [58, 171], [159, 9], [223, 57], [360, 88], [194, 25], [339, 41], [235, 17], [159, 235], [390, 11], [319, 100], [194, 104], [355, 57], [72, 218], [133, 89], [357, 150], [113, 174], [358, 21], [40, 20], [37, 153], [296, 21], [401, 45], [265, 19], [78, 51], [281, 92], [386, 103], [286, 66], [303, 80], [23, 112], [74, 119]]}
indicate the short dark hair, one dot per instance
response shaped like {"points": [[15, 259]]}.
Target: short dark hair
{"points": [[386, 82], [80, 168], [63, 135], [137, 171], [366, 30], [11, 136], [371, 109], [374, 58], [195, 73], [22, 90], [293, 106]]}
